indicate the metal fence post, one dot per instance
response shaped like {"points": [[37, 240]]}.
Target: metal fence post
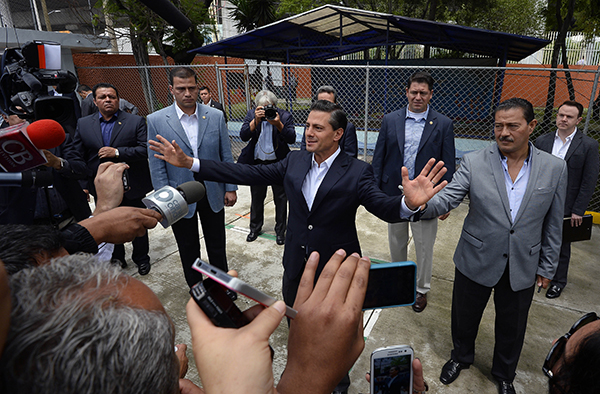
{"points": [[149, 88], [247, 86], [366, 113], [219, 83], [592, 99]]}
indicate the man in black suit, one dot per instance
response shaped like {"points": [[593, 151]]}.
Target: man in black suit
{"points": [[581, 154], [269, 139], [349, 142], [113, 135], [324, 189], [206, 98]]}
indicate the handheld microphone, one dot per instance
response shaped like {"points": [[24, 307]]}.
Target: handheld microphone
{"points": [[172, 203], [46, 133], [26, 179], [20, 145]]}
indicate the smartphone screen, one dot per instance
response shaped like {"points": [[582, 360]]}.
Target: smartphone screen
{"points": [[391, 370], [391, 285]]}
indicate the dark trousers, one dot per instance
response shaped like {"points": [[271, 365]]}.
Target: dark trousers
{"points": [[188, 240], [140, 244], [560, 277], [512, 308], [257, 205]]}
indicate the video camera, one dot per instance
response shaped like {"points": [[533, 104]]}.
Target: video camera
{"points": [[26, 74]]}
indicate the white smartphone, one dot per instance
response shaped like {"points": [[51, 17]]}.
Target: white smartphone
{"points": [[238, 285], [391, 370]]}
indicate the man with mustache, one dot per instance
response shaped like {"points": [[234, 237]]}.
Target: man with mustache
{"points": [[510, 239]]}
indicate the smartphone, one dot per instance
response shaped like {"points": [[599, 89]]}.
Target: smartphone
{"points": [[126, 183], [238, 285], [391, 370], [212, 298], [391, 285]]}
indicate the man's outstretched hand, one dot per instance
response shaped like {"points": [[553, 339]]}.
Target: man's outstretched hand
{"points": [[170, 152], [421, 189]]}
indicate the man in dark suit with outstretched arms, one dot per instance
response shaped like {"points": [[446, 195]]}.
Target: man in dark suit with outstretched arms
{"points": [[324, 189]]}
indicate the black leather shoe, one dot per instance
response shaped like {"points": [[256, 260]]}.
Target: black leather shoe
{"points": [[252, 236], [505, 387], [553, 291], [280, 240], [144, 268], [451, 370]]}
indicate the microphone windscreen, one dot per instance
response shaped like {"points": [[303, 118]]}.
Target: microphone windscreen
{"points": [[46, 133], [192, 191]]}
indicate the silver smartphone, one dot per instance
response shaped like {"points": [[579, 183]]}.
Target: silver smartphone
{"points": [[238, 285], [391, 285], [391, 370]]}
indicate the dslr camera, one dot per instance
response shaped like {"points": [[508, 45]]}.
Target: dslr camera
{"points": [[270, 111]]}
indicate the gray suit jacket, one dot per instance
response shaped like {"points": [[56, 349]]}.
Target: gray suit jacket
{"points": [[489, 238], [213, 144], [582, 163]]}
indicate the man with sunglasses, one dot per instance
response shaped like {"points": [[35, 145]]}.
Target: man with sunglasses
{"points": [[573, 363]]}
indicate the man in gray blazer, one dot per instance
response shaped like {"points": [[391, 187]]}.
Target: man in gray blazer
{"points": [[581, 154], [201, 132], [510, 239]]}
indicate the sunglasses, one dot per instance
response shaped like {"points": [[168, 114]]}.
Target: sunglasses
{"points": [[558, 349]]}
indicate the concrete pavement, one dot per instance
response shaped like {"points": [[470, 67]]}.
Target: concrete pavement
{"points": [[259, 263]]}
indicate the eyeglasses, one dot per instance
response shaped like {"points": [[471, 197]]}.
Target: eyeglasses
{"points": [[557, 350]]}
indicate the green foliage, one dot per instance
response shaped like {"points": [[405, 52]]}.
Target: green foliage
{"points": [[148, 27], [251, 14]]}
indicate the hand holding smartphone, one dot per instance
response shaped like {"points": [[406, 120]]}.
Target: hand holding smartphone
{"points": [[391, 370], [238, 285]]}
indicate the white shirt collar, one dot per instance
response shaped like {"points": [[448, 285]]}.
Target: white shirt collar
{"points": [[180, 113], [569, 137], [417, 115], [329, 161]]}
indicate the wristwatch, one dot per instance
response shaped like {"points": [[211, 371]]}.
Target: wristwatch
{"points": [[116, 153], [62, 162]]}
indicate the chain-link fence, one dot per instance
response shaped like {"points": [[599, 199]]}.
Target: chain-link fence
{"points": [[467, 95]]}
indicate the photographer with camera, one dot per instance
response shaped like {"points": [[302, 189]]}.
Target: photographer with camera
{"points": [[270, 130]]}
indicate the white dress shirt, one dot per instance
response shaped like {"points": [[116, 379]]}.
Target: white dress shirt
{"points": [[190, 126], [315, 176], [559, 149], [516, 189]]}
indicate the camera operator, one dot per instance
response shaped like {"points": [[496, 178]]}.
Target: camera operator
{"points": [[270, 130]]}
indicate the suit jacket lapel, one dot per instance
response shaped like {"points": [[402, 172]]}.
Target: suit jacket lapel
{"points": [[531, 184], [300, 171], [337, 170], [119, 124], [577, 139], [400, 123], [498, 172], [175, 124], [202, 122], [430, 124], [98, 130]]}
